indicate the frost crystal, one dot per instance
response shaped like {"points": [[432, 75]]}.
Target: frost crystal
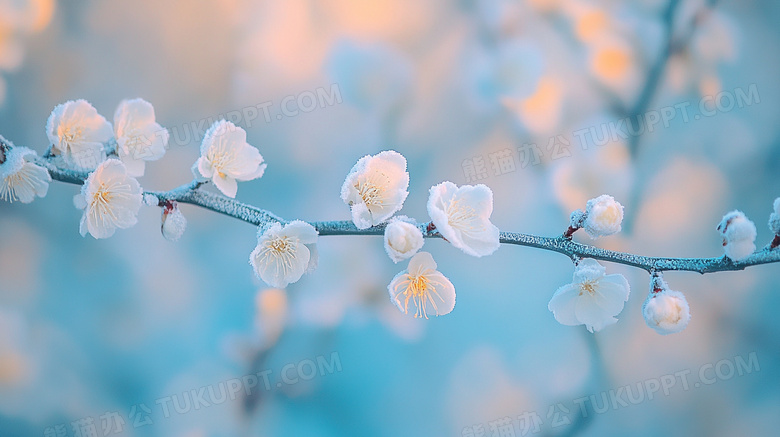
{"points": [[603, 216], [110, 199], [21, 179], [225, 157], [462, 216], [139, 137], [665, 310], [173, 222], [79, 133], [151, 200], [284, 253], [376, 188], [402, 239], [592, 299], [739, 235], [429, 291]]}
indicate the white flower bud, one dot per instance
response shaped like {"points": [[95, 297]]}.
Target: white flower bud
{"points": [[774, 218], [603, 216], [665, 310], [739, 235], [173, 222], [402, 239]]}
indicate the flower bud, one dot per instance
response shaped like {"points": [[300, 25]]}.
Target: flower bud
{"points": [[665, 310], [173, 221], [603, 216], [739, 235], [402, 239]]}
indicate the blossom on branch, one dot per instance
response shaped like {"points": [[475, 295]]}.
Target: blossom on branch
{"points": [[665, 310], [226, 157], [284, 253], [139, 137], [402, 239], [429, 291], [462, 216], [78, 133], [739, 235], [110, 199], [21, 179], [173, 221], [592, 299], [376, 188], [603, 216]]}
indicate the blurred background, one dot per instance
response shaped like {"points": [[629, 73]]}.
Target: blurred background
{"points": [[523, 96]]}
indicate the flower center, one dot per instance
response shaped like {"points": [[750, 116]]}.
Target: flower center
{"points": [[281, 249], [69, 134], [462, 216], [280, 245], [589, 287], [102, 196], [420, 291], [372, 189]]}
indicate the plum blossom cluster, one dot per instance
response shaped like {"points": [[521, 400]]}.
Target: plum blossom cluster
{"points": [[109, 158], [376, 188], [594, 299], [112, 157]]}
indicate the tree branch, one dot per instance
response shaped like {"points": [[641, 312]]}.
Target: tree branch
{"points": [[193, 194]]}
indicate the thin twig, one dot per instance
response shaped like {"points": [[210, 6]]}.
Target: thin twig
{"points": [[192, 193]]}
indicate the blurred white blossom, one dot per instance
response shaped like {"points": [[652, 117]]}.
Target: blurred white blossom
{"points": [[284, 253], [429, 291], [739, 235], [110, 199], [21, 179], [402, 239], [665, 310], [592, 299], [271, 315], [139, 137], [376, 188], [462, 216], [79, 134], [226, 157]]}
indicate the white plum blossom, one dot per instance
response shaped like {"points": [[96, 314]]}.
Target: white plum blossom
{"points": [[774, 218], [665, 310], [462, 216], [429, 291], [225, 157], [739, 235], [603, 216], [173, 221], [592, 299], [21, 179], [110, 199], [402, 239], [78, 133], [376, 188], [284, 253], [139, 137]]}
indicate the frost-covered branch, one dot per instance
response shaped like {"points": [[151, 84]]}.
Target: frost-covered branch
{"points": [[107, 159], [193, 194]]}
